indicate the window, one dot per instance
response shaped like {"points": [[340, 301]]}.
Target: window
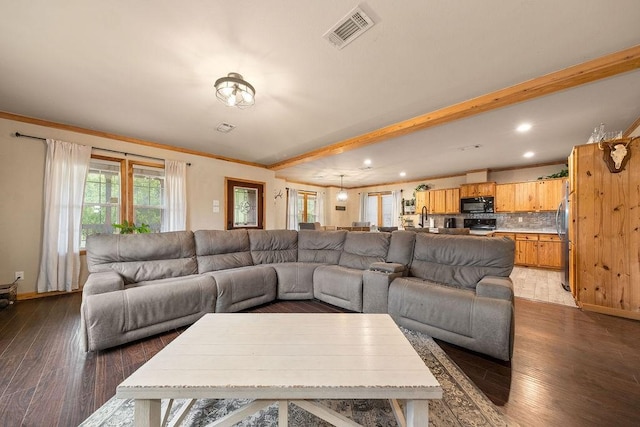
{"points": [[111, 196], [148, 195], [307, 206], [102, 196], [380, 209]]}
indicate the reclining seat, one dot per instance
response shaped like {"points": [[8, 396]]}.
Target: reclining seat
{"points": [[315, 248], [341, 285], [459, 291], [226, 256], [140, 285]]}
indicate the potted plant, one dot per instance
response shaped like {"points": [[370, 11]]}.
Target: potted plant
{"points": [[131, 228]]}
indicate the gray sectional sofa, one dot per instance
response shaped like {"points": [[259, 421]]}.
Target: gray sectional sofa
{"points": [[455, 288]]}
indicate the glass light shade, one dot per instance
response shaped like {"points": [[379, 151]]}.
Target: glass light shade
{"points": [[234, 91], [342, 196]]}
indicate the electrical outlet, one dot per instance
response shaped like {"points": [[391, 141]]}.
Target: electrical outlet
{"points": [[19, 275], [519, 219]]}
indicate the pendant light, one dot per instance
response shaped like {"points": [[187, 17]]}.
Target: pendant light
{"points": [[342, 195]]}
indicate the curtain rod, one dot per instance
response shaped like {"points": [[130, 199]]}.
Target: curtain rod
{"points": [[22, 135]]}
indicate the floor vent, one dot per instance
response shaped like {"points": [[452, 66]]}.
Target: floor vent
{"points": [[349, 28]]}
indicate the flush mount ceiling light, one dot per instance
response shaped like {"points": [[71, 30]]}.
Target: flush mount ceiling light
{"points": [[234, 91], [524, 127], [342, 195]]}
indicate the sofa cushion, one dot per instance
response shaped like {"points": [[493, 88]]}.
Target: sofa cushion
{"points": [[401, 247], [140, 257], [361, 249], [271, 246], [295, 279], [461, 260], [222, 249], [245, 287], [441, 306], [339, 286], [320, 246]]}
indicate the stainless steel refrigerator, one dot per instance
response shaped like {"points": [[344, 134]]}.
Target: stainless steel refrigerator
{"points": [[562, 227]]}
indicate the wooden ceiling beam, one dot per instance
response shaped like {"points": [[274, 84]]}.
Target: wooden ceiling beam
{"points": [[590, 71]]}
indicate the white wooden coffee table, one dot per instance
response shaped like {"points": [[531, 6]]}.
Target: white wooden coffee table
{"points": [[285, 358]]}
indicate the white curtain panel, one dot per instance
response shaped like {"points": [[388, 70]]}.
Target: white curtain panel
{"points": [[320, 207], [396, 207], [292, 209], [364, 204], [175, 196], [64, 179]]}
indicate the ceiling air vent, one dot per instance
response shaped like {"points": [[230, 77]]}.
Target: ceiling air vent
{"points": [[349, 28], [225, 127]]}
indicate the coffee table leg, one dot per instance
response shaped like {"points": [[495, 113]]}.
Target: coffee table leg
{"points": [[417, 413], [283, 413], [147, 413]]}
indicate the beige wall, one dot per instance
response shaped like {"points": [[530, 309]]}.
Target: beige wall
{"points": [[21, 191], [21, 194]]}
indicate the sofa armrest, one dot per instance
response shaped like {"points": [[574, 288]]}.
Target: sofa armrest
{"points": [[387, 267], [375, 289], [103, 282], [495, 287]]}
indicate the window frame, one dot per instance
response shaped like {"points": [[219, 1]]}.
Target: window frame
{"points": [[379, 195], [126, 184], [305, 197]]}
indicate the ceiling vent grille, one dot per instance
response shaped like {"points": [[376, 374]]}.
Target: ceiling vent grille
{"points": [[225, 127], [349, 28]]}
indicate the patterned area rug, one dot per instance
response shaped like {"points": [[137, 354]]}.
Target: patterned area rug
{"points": [[463, 404]]}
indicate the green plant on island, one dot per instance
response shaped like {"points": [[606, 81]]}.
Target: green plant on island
{"points": [[131, 228]]}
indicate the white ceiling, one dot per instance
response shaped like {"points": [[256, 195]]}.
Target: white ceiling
{"points": [[146, 69]]}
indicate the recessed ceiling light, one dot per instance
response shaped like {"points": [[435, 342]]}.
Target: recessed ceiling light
{"points": [[403, 174], [524, 127], [367, 162], [529, 154]]}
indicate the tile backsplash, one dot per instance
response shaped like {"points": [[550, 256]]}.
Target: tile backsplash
{"points": [[530, 220]]}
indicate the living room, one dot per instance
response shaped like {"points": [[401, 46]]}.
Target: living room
{"points": [[556, 347]]}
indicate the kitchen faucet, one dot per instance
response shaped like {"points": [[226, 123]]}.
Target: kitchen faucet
{"points": [[423, 216]]}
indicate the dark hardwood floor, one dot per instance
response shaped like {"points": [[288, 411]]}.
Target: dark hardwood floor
{"points": [[570, 368]]}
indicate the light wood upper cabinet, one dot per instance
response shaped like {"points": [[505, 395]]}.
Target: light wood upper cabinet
{"points": [[480, 189], [437, 203], [452, 200], [446, 201], [550, 194], [526, 196], [505, 200], [536, 196], [422, 199]]}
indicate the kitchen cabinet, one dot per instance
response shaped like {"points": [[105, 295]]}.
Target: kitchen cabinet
{"points": [[480, 189], [452, 200], [422, 199], [505, 200], [535, 196], [446, 201], [536, 250], [549, 251], [526, 249]]}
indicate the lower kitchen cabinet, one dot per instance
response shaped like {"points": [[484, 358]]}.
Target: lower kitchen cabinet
{"points": [[536, 250]]}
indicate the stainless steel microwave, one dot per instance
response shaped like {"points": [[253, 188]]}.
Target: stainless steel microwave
{"points": [[476, 205]]}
